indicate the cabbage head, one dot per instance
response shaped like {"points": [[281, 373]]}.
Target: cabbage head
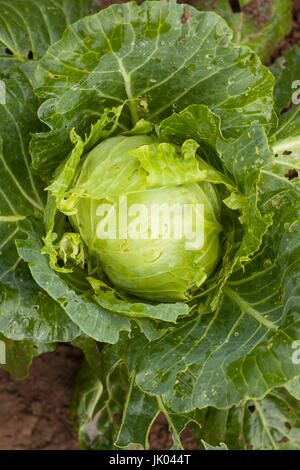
{"points": [[145, 213]]}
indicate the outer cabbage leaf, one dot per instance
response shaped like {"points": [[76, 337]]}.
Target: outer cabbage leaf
{"points": [[107, 299], [26, 312], [141, 48], [27, 29]]}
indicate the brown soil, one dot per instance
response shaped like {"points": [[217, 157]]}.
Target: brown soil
{"points": [[35, 413], [259, 10]]}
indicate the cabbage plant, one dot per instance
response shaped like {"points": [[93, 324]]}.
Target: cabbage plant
{"points": [[162, 114]]}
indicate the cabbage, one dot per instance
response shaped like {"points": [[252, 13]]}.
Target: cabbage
{"points": [[169, 244]]}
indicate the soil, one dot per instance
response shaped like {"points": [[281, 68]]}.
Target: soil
{"points": [[259, 10], [35, 413]]}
